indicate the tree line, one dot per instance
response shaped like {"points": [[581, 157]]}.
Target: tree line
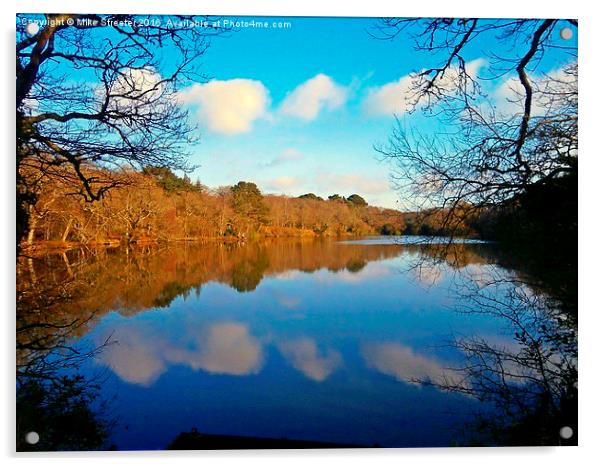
{"points": [[156, 205]]}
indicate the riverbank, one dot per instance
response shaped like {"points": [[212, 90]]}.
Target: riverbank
{"points": [[44, 246]]}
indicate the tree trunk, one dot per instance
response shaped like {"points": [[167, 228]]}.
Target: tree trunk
{"points": [[32, 229], [67, 230]]}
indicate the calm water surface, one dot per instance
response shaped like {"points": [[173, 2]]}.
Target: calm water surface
{"points": [[315, 340]]}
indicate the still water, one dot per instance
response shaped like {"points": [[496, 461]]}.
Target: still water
{"points": [[312, 340]]}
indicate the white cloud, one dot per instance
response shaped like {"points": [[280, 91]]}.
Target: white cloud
{"points": [[390, 98], [352, 183], [228, 107], [283, 183], [31, 106], [307, 100], [549, 90], [397, 97], [303, 355], [449, 80], [141, 89], [508, 96]]}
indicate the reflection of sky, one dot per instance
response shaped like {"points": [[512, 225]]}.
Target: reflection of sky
{"points": [[140, 355], [326, 355]]}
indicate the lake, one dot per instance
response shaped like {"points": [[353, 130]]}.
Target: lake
{"points": [[333, 341]]}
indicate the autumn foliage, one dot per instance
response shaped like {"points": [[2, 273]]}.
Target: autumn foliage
{"points": [[155, 205]]}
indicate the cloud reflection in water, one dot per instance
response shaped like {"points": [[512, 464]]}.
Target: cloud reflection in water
{"points": [[403, 363], [140, 356], [304, 355]]}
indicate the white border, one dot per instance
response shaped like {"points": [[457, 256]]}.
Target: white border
{"points": [[590, 226]]}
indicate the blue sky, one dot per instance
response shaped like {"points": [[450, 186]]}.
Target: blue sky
{"points": [[299, 109], [292, 149]]}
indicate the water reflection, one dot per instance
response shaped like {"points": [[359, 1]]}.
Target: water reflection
{"points": [[99, 281], [405, 365], [135, 357], [531, 374], [142, 353], [226, 348], [312, 340], [304, 355]]}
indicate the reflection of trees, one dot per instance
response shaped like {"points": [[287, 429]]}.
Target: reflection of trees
{"points": [[85, 284], [530, 379], [355, 266], [57, 406], [49, 315], [526, 381], [61, 295], [457, 255], [52, 399], [60, 411], [247, 274], [549, 270]]}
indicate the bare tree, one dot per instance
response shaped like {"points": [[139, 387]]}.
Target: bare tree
{"points": [[489, 151], [102, 90]]}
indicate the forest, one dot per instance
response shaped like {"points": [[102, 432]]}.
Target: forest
{"points": [[156, 205]]}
